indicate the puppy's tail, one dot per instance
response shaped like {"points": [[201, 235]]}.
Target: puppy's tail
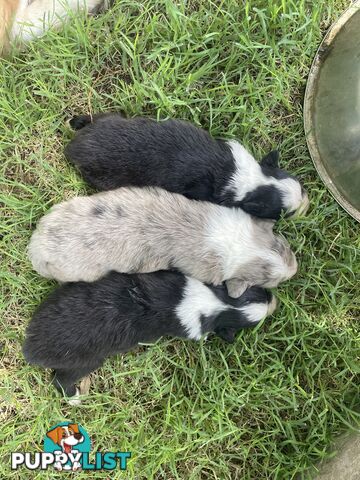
{"points": [[80, 121]]}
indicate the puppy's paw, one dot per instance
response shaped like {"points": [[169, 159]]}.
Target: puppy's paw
{"points": [[82, 389], [76, 399], [84, 386]]}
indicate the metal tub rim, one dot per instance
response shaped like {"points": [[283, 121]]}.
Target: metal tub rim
{"points": [[308, 108]]}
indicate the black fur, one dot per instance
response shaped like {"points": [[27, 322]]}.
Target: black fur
{"points": [[77, 123], [81, 324], [270, 166], [112, 151], [263, 199]]}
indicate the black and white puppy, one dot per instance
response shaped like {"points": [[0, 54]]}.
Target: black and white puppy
{"points": [[112, 151], [81, 324]]}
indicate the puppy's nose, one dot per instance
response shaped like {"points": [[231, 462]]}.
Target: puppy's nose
{"points": [[292, 265], [78, 436], [305, 204], [303, 207], [272, 306]]}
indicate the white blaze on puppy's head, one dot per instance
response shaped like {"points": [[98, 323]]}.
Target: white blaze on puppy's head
{"points": [[263, 189], [204, 309]]}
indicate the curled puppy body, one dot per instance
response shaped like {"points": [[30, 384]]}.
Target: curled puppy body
{"points": [[81, 324], [112, 151], [142, 230], [23, 20]]}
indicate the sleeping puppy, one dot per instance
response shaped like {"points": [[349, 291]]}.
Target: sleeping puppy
{"points": [[81, 324], [141, 230], [112, 151], [23, 20]]}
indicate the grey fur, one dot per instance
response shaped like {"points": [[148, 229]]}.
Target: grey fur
{"points": [[144, 230]]}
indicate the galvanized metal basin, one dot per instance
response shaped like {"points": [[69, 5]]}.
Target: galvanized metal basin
{"points": [[332, 110]]}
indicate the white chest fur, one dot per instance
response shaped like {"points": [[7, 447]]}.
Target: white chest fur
{"points": [[198, 300]]}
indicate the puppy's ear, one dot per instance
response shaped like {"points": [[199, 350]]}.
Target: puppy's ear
{"points": [[55, 435], [236, 287], [74, 427], [254, 208], [80, 121], [227, 334], [271, 159]]}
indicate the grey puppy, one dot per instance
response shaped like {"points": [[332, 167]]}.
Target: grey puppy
{"points": [[148, 229]]}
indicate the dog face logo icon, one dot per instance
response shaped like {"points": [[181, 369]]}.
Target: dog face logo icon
{"points": [[68, 441], [66, 437]]}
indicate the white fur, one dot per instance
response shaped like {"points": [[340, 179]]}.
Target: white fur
{"points": [[198, 300], [281, 269], [291, 193], [255, 311], [228, 232], [33, 19], [75, 400], [248, 176], [70, 439], [298, 201]]}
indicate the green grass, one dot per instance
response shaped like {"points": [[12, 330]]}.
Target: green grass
{"points": [[266, 407]]}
